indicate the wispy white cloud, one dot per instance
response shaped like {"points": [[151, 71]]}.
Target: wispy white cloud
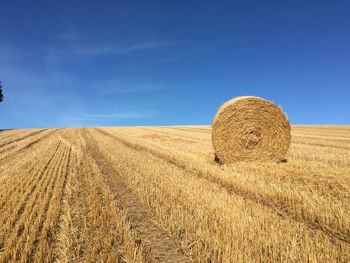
{"points": [[113, 50], [74, 49], [28, 91], [124, 115], [113, 87], [88, 119]]}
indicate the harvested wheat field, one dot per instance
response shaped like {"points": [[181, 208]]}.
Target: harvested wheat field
{"points": [[155, 194]]}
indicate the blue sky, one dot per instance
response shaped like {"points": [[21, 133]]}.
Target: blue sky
{"points": [[89, 63]]}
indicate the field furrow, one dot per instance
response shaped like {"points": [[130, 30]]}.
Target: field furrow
{"points": [[91, 228], [21, 138], [11, 135], [190, 129], [23, 147], [160, 247], [19, 183], [167, 204], [337, 227], [19, 236], [42, 247], [4, 134]]}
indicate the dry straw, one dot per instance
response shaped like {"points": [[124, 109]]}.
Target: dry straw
{"points": [[250, 129]]}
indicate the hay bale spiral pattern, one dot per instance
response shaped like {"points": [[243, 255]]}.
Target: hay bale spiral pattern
{"points": [[250, 129]]}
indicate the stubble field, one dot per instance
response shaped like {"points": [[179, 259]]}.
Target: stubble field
{"points": [[155, 194]]}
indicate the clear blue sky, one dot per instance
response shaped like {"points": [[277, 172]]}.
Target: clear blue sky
{"points": [[82, 63]]}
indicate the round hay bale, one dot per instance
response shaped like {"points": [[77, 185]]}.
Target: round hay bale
{"points": [[250, 129]]}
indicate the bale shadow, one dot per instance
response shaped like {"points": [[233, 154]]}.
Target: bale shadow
{"points": [[217, 160]]}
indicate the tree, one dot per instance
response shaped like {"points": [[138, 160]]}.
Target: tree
{"points": [[1, 95]]}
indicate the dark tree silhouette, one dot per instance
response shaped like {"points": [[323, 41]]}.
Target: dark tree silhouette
{"points": [[1, 95]]}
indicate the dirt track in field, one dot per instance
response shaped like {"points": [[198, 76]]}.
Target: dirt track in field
{"points": [[159, 247]]}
